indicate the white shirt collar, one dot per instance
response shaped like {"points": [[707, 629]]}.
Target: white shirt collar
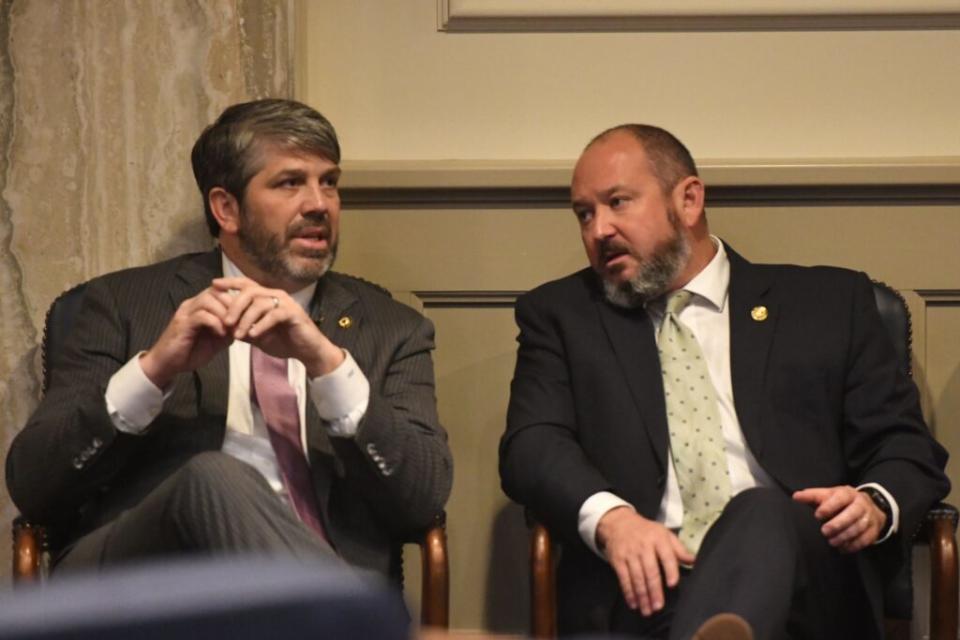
{"points": [[302, 296], [713, 281]]}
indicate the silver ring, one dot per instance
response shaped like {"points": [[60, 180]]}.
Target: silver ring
{"points": [[276, 302]]}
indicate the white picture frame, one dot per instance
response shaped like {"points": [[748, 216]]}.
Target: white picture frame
{"points": [[694, 15]]}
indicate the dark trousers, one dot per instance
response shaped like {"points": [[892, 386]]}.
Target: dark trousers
{"points": [[213, 504], [766, 560]]}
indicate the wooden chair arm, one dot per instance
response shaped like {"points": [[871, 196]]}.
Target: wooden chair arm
{"points": [[939, 530], [435, 576], [543, 584], [29, 545]]}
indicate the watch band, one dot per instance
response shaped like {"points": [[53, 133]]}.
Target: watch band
{"points": [[884, 505]]}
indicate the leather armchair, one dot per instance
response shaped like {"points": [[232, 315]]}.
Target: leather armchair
{"points": [[33, 542], [938, 533]]}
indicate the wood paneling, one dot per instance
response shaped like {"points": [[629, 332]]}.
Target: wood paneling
{"points": [[465, 261]]}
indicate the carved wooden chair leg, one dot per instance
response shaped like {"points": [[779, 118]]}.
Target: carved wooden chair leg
{"points": [[943, 577], [435, 587], [543, 584], [29, 545]]}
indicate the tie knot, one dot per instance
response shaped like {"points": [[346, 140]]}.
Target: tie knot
{"points": [[677, 301]]}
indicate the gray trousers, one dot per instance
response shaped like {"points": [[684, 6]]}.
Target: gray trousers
{"points": [[214, 504]]}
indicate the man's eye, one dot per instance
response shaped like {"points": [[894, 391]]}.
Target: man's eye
{"points": [[289, 182], [331, 181], [616, 201], [583, 215]]}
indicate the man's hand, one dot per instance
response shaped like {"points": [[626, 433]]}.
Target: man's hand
{"points": [[238, 309], [642, 553], [851, 520], [273, 321], [192, 337]]}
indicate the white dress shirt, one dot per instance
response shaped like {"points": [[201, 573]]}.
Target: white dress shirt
{"points": [[340, 397], [708, 317]]}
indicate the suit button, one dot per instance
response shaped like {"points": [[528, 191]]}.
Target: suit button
{"points": [[96, 444], [77, 464]]}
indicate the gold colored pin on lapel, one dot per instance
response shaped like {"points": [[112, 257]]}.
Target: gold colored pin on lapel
{"points": [[345, 322], [759, 313]]}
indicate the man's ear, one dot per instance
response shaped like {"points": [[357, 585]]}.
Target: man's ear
{"points": [[688, 200], [225, 209]]}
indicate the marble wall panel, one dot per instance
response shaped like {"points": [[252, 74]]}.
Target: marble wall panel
{"points": [[100, 103]]}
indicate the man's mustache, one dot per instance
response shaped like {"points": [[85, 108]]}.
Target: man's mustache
{"points": [[611, 247], [311, 225]]}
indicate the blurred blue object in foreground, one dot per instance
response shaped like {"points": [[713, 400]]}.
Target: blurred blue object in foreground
{"points": [[237, 598]]}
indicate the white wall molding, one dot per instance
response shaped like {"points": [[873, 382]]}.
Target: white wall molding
{"points": [[694, 15], [486, 174]]}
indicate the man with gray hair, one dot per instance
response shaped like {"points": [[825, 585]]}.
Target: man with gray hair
{"points": [[246, 399]]}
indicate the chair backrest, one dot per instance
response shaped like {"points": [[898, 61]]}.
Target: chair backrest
{"points": [[896, 317], [898, 592], [59, 322]]}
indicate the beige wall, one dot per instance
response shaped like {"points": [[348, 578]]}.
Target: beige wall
{"points": [[819, 146], [100, 103], [399, 89]]}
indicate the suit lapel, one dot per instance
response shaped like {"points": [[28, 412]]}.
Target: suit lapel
{"points": [[212, 379], [336, 313], [631, 336], [753, 319]]}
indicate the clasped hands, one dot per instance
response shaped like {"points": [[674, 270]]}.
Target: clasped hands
{"points": [[645, 555], [238, 309]]}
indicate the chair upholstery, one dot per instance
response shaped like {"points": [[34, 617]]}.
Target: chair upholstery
{"points": [[33, 542], [938, 532]]}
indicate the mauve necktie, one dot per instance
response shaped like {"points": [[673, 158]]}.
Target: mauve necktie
{"points": [[696, 438], [278, 404]]}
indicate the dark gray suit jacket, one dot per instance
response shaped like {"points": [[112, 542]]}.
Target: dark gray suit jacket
{"points": [[69, 466], [818, 392]]}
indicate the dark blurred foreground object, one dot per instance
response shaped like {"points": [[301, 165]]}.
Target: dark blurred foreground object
{"points": [[236, 597]]}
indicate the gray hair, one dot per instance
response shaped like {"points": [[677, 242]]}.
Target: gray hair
{"points": [[226, 154]]}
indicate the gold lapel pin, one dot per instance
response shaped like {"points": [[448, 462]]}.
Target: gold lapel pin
{"points": [[345, 322], [759, 313]]}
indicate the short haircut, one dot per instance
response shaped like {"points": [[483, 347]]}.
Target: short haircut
{"points": [[227, 153], [669, 159]]}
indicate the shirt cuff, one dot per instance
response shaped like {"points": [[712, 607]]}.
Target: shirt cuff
{"points": [[894, 509], [341, 397], [133, 401], [594, 508]]}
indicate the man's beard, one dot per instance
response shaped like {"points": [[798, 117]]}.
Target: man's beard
{"points": [[654, 274], [274, 255]]}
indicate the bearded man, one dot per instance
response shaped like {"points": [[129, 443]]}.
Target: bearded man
{"points": [[247, 399], [724, 449]]}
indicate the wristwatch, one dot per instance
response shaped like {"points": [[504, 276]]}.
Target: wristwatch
{"points": [[884, 505]]}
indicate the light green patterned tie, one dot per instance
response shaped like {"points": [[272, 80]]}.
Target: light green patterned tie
{"points": [[696, 439]]}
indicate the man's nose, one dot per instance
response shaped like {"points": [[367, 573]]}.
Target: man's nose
{"points": [[603, 224], [317, 198]]}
